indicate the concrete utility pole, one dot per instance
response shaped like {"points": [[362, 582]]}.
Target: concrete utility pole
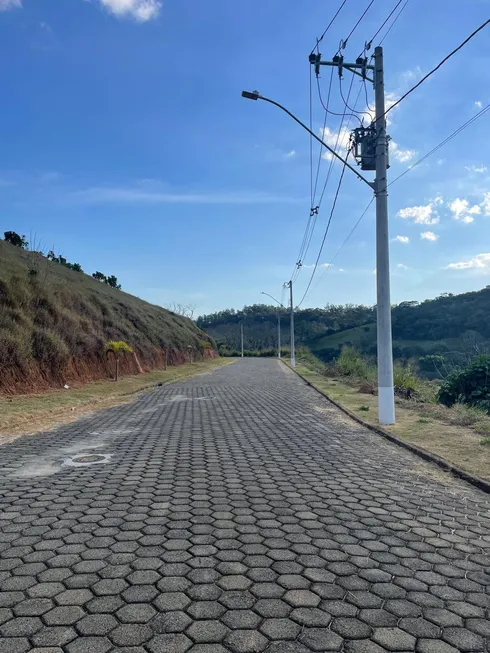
{"points": [[370, 145], [241, 336], [386, 394], [279, 306], [289, 285]]}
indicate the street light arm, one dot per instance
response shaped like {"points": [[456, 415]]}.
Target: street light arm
{"points": [[256, 96], [277, 302]]}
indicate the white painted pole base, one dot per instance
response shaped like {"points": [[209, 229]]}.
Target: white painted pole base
{"points": [[386, 405]]}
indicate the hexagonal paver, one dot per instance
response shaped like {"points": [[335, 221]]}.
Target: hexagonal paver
{"points": [[241, 619], [321, 639], [351, 628], [269, 608], [394, 639], [209, 630], [131, 634], [276, 629], [96, 625], [246, 641], [135, 613], [89, 645], [170, 622], [463, 639], [21, 627], [172, 643], [63, 616], [172, 601]]}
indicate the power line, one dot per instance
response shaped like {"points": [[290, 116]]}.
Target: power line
{"points": [[325, 233], [330, 168], [370, 42], [323, 132], [332, 113], [329, 265], [394, 21], [311, 224], [328, 26], [438, 65], [434, 149], [346, 101], [446, 140], [344, 43]]}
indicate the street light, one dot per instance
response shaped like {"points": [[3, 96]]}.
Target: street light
{"points": [[386, 399], [278, 322]]}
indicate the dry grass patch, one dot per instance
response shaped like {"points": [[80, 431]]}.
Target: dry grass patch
{"points": [[20, 415]]}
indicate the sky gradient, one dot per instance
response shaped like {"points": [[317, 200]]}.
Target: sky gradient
{"points": [[126, 146]]}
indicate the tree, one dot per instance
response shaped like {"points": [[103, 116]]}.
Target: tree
{"points": [[14, 239], [99, 276], [116, 348], [112, 282]]}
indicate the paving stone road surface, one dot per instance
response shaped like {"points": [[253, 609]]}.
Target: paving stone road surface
{"points": [[238, 511]]}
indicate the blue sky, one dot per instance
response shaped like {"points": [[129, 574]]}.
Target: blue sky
{"points": [[126, 146]]}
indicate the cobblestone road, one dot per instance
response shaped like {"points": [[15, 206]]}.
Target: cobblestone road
{"points": [[236, 512]]}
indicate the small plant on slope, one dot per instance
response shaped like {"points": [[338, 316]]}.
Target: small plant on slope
{"points": [[117, 347]]}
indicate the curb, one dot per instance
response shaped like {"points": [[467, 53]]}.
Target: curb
{"points": [[480, 483]]}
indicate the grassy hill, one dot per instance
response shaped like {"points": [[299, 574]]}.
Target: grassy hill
{"points": [[454, 326], [54, 323]]}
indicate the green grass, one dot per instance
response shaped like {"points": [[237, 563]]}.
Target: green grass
{"points": [[362, 336], [57, 315], [485, 441]]}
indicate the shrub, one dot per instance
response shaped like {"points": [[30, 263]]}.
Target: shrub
{"points": [[470, 385], [48, 348], [14, 239], [351, 363], [405, 382]]}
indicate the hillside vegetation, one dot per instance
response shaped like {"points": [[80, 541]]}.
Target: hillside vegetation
{"points": [[55, 322], [451, 327]]}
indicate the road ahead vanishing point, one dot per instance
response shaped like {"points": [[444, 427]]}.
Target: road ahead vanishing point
{"points": [[238, 511]]}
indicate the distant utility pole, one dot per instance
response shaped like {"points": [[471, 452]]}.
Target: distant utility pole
{"points": [[289, 285], [370, 145], [241, 335]]}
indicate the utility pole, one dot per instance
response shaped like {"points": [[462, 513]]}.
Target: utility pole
{"points": [[386, 395], [289, 285], [278, 332], [241, 335], [370, 148]]}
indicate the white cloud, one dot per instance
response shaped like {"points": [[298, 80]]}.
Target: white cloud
{"points": [[479, 261], [320, 265], [424, 214], [486, 204], [402, 239], [402, 267], [330, 138], [145, 194], [479, 169], [429, 235], [462, 211], [5, 5], [478, 104], [289, 155], [140, 10], [401, 155]]}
